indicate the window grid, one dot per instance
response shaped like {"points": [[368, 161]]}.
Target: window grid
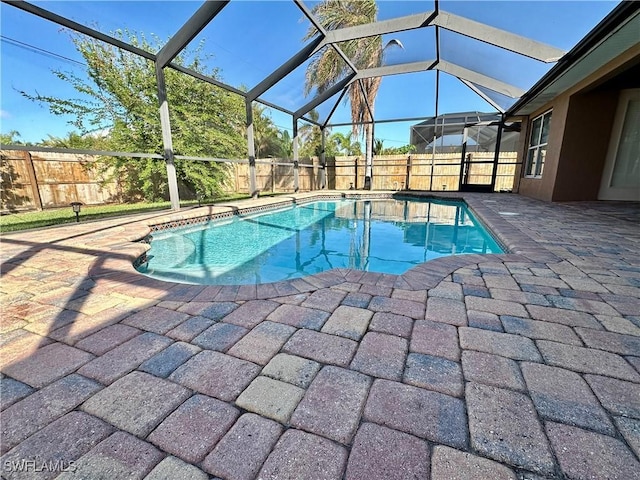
{"points": [[537, 151]]}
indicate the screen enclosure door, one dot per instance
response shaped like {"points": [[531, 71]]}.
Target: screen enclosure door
{"points": [[478, 162]]}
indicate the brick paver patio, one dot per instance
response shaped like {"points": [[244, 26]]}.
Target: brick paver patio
{"points": [[513, 366]]}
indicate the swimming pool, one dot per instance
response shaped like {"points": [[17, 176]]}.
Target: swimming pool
{"points": [[386, 235]]}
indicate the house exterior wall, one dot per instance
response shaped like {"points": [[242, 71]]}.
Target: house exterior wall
{"points": [[579, 136], [584, 146], [542, 188]]}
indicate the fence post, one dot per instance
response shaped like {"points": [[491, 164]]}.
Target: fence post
{"points": [[273, 175], [33, 179], [408, 179], [356, 182]]}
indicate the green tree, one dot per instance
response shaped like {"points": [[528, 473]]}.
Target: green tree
{"points": [[327, 67], [119, 93], [345, 145], [378, 147], [310, 137], [76, 141], [269, 140], [286, 144], [403, 150], [11, 138]]}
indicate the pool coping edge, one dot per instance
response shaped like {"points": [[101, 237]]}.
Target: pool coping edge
{"points": [[521, 247]]}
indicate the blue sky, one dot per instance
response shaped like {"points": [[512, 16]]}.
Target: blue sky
{"points": [[248, 40]]}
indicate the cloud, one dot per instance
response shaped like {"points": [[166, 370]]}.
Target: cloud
{"points": [[103, 132], [4, 114]]}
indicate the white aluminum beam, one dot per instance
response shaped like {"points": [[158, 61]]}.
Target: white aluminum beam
{"points": [[455, 23], [399, 24], [296, 158], [485, 97], [437, 92], [479, 79], [189, 30], [323, 161], [274, 106], [308, 120], [307, 13], [167, 141], [335, 107], [206, 78], [447, 67], [390, 120], [79, 151], [251, 151], [396, 69], [330, 92], [499, 38]]}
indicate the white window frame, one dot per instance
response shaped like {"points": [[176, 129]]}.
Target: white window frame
{"points": [[536, 150]]}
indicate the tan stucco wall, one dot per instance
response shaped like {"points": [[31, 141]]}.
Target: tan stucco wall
{"points": [[580, 130], [542, 188]]}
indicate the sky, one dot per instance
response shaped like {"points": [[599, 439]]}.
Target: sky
{"points": [[249, 39]]}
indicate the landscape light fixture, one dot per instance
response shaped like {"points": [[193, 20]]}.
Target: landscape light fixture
{"points": [[76, 209]]}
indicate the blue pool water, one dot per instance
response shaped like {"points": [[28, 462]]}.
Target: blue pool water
{"points": [[388, 236]]}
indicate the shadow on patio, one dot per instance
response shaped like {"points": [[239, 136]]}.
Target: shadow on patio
{"points": [[504, 365]]}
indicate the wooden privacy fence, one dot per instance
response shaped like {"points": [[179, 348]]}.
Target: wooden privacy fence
{"points": [[35, 180], [46, 180], [277, 175], [40, 180], [414, 172]]}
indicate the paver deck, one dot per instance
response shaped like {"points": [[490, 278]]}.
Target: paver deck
{"points": [[520, 365]]}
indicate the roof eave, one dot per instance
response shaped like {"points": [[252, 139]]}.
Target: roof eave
{"points": [[600, 32]]}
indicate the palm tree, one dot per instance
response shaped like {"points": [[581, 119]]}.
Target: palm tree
{"points": [[286, 144], [345, 145], [310, 136], [327, 67], [269, 140], [378, 147]]}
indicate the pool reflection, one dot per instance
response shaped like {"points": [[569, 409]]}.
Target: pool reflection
{"points": [[387, 236]]}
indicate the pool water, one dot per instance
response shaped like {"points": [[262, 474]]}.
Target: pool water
{"points": [[388, 236]]}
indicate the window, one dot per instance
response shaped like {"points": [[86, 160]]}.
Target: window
{"points": [[538, 145]]}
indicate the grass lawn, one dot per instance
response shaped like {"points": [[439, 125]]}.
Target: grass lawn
{"points": [[27, 220]]}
